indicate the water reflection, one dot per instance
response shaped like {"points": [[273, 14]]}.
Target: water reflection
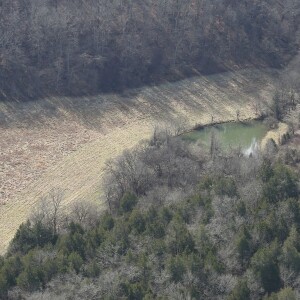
{"points": [[253, 148], [246, 135]]}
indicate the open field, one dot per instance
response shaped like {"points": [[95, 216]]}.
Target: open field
{"points": [[65, 142]]}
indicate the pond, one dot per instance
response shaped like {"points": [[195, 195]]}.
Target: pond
{"points": [[246, 135]]}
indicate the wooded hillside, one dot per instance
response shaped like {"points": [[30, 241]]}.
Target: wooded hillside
{"points": [[85, 47], [183, 223]]}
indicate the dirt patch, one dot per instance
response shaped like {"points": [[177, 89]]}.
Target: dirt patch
{"points": [[65, 142]]}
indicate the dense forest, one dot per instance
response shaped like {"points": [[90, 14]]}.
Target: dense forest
{"points": [[51, 47], [183, 222]]}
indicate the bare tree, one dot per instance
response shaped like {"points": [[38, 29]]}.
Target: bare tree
{"points": [[85, 212], [49, 210]]}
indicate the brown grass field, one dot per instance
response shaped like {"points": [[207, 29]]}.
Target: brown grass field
{"points": [[65, 142]]}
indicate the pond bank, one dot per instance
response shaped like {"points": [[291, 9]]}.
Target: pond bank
{"points": [[233, 133], [275, 134]]}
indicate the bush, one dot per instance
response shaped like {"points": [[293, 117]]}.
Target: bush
{"points": [[134, 291], [92, 269], [29, 236], [179, 238], [137, 222], [32, 276], [107, 222], [240, 291], [285, 294], [176, 268], [75, 261], [280, 184], [128, 202], [225, 186], [243, 244], [290, 251], [265, 266]]}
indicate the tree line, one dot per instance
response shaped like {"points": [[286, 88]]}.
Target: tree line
{"points": [[85, 47]]}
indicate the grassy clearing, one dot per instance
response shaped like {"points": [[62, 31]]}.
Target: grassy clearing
{"points": [[66, 142]]}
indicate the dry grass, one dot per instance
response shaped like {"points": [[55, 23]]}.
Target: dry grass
{"points": [[65, 142], [275, 134]]}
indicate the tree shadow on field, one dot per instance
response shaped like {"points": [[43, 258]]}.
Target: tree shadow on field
{"points": [[213, 93]]}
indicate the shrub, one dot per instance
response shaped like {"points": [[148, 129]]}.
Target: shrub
{"points": [[75, 261], [285, 294], [243, 243], [29, 236], [265, 266], [179, 238], [128, 202], [225, 186], [176, 268], [290, 251], [240, 291], [137, 222], [280, 185]]}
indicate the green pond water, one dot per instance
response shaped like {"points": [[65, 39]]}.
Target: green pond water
{"points": [[246, 135]]}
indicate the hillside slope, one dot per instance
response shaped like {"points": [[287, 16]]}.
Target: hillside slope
{"points": [[65, 142], [89, 47]]}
